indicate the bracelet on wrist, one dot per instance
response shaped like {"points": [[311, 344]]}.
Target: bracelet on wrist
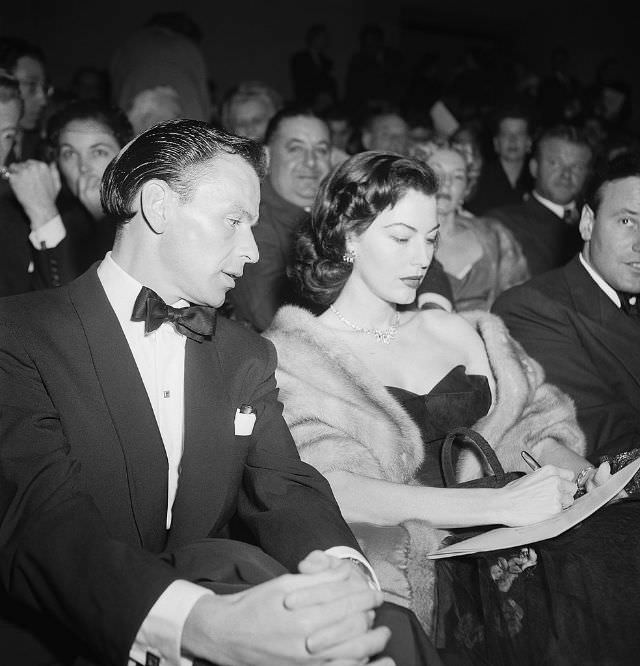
{"points": [[581, 480]]}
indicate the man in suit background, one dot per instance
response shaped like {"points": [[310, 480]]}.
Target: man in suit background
{"points": [[127, 459], [545, 224], [580, 321]]}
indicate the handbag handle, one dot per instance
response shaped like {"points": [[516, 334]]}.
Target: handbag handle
{"points": [[481, 443]]}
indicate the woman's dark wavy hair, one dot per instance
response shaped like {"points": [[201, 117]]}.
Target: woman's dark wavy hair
{"points": [[171, 151], [112, 118], [348, 201]]}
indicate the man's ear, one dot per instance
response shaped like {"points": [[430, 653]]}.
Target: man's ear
{"points": [[155, 199], [586, 223]]}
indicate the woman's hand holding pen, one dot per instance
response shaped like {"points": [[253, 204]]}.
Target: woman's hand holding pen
{"points": [[537, 496]]}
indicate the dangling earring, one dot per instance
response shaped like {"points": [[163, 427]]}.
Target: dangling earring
{"points": [[348, 257]]}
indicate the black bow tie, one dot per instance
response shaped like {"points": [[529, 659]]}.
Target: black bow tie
{"points": [[197, 322], [632, 309]]}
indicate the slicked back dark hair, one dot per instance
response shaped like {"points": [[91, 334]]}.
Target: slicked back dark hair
{"points": [[626, 165], [289, 111], [347, 203], [171, 151]]}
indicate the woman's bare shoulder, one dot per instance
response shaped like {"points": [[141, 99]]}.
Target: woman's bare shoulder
{"points": [[443, 324]]}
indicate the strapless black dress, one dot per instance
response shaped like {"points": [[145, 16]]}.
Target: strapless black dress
{"points": [[568, 601]]}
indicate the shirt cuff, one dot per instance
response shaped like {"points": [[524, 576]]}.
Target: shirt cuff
{"points": [[348, 553], [159, 637], [48, 235]]}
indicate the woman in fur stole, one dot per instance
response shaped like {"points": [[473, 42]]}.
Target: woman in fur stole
{"points": [[370, 390]]}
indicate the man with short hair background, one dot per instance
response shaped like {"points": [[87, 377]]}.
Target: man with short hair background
{"points": [[386, 129], [581, 321], [299, 151], [247, 109], [545, 224]]}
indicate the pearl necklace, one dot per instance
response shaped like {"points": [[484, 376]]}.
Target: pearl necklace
{"points": [[384, 335]]}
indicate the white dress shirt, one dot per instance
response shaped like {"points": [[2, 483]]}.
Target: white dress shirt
{"points": [[159, 356], [558, 209], [608, 289]]}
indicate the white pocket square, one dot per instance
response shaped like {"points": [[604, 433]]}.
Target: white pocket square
{"points": [[244, 420]]}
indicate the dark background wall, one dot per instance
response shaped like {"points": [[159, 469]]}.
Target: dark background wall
{"points": [[253, 39]]}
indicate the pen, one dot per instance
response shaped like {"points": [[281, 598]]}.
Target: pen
{"points": [[530, 460]]}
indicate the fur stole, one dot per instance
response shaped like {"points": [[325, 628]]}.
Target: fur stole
{"points": [[342, 418]]}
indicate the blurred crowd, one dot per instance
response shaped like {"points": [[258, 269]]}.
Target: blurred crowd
{"points": [[514, 149]]}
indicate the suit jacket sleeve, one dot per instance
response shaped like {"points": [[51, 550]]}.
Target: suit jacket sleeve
{"points": [[287, 504], [548, 332], [56, 556]]}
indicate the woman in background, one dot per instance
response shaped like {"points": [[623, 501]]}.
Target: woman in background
{"points": [[83, 137], [370, 393], [480, 256]]}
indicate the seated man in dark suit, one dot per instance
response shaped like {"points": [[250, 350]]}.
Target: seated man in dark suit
{"points": [[137, 438], [578, 321], [545, 224]]}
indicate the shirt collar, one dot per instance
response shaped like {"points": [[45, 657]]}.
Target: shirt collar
{"points": [[608, 289], [558, 209], [122, 289]]}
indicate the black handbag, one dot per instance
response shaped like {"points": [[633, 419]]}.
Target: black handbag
{"points": [[499, 477]]}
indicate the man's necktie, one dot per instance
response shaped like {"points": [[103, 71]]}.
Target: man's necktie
{"points": [[197, 322], [570, 215], [629, 304]]}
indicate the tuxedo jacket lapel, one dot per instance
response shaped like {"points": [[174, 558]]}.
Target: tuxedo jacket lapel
{"points": [[210, 471], [615, 330], [128, 404]]}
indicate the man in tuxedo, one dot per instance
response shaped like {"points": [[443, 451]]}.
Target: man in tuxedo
{"points": [[138, 437], [545, 224], [581, 321]]}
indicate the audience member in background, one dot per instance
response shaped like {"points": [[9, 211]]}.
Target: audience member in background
{"points": [[247, 109], [506, 179], [546, 223], [311, 70], [370, 393], [374, 72], [25, 61], [91, 83], [84, 137], [560, 94], [30, 256], [581, 322], [343, 137], [468, 137], [385, 129], [299, 148], [159, 72], [479, 255]]}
